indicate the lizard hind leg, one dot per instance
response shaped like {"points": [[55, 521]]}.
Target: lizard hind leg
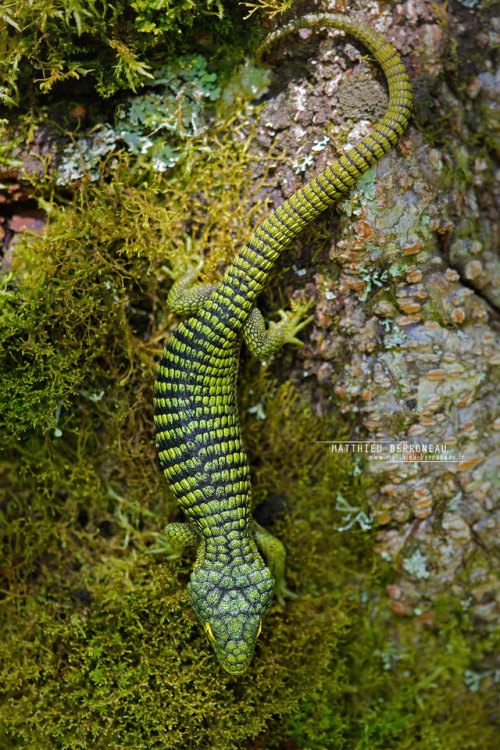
{"points": [[185, 297], [273, 552], [264, 342]]}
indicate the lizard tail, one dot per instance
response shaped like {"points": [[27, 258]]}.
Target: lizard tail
{"points": [[250, 269]]}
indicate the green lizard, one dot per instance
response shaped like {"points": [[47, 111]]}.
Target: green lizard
{"points": [[239, 564]]}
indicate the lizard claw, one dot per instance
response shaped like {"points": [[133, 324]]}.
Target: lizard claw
{"points": [[293, 322], [163, 547], [281, 591]]}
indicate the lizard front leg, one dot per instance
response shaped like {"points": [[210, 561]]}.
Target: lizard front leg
{"points": [[176, 538], [274, 553]]}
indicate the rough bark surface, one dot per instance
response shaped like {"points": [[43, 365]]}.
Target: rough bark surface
{"points": [[407, 337]]}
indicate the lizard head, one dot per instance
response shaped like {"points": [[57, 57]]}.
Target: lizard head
{"points": [[231, 604]]}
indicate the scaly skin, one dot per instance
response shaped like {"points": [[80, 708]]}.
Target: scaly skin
{"points": [[196, 418]]}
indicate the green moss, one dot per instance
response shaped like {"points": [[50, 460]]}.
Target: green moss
{"points": [[50, 42], [64, 316], [100, 647], [270, 7]]}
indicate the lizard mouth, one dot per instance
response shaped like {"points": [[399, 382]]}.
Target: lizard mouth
{"points": [[235, 670], [236, 667]]}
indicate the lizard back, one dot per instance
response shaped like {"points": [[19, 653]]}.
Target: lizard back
{"points": [[197, 423], [195, 403]]}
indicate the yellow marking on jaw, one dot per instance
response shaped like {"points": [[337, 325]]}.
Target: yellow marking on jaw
{"points": [[209, 631], [260, 629]]}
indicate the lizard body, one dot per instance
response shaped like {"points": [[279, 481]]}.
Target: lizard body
{"points": [[239, 565]]}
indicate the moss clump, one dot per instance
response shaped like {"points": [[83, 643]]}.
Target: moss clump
{"points": [[115, 657], [49, 42], [65, 327], [101, 647]]}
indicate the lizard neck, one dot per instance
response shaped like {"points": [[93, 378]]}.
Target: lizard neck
{"points": [[229, 545]]}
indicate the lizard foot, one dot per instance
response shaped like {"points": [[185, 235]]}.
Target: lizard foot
{"points": [[281, 591], [293, 322], [164, 547]]}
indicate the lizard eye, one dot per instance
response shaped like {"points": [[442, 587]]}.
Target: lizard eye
{"points": [[260, 629], [209, 631]]}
